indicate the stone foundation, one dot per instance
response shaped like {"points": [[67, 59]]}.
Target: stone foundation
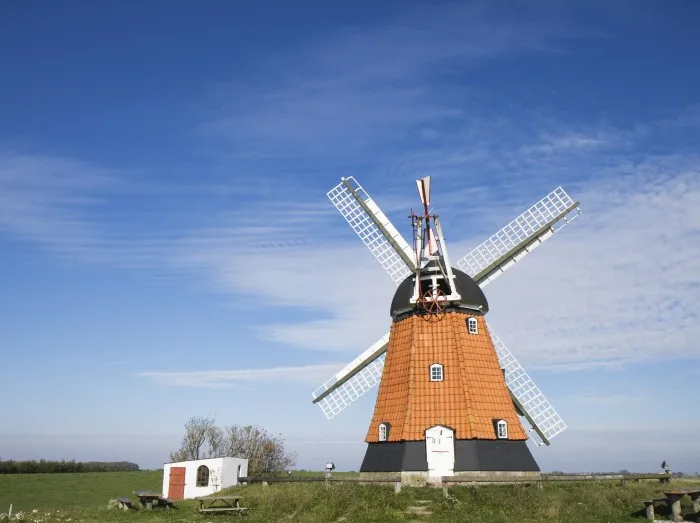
{"points": [[419, 478]]}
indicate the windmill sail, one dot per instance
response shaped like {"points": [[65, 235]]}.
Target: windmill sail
{"points": [[374, 229], [353, 380], [521, 236], [527, 396]]}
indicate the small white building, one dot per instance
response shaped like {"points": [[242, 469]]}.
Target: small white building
{"points": [[201, 477]]}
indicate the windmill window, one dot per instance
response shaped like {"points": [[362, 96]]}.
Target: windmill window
{"points": [[472, 325], [502, 429], [202, 476], [383, 431], [436, 372]]}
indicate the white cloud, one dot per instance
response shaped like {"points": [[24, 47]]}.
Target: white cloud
{"points": [[217, 379], [620, 285], [44, 198], [604, 400], [366, 87]]}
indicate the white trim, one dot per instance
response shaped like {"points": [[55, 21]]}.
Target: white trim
{"points": [[473, 326], [502, 429], [436, 372]]}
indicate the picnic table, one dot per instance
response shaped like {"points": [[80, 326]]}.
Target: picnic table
{"points": [[221, 504], [148, 498], [673, 499]]}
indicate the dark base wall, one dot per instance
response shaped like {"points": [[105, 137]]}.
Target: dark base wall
{"points": [[470, 455]]}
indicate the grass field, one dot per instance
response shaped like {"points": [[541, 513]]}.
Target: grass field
{"points": [[64, 491], [84, 498]]}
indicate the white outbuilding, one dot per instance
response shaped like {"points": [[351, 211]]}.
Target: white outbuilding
{"points": [[201, 477]]}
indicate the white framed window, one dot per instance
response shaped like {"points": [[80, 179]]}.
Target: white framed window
{"points": [[383, 431], [436, 372], [473, 326], [502, 429]]}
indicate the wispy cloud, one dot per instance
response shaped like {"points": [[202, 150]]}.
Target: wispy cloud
{"points": [[617, 287], [605, 400], [621, 286], [45, 198], [218, 379], [370, 87]]}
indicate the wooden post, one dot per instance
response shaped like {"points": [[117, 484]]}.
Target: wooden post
{"points": [[650, 511], [445, 493], [9, 515], [397, 487]]}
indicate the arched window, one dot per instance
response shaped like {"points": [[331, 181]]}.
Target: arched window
{"points": [[502, 429], [202, 476], [472, 325], [383, 431], [436, 372], [238, 474]]}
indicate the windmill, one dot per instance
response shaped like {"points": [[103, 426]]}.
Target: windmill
{"points": [[451, 395]]}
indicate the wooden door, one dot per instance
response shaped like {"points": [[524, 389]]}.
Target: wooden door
{"points": [[440, 448], [176, 485]]}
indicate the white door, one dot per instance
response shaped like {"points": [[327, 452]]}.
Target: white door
{"points": [[440, 448]]}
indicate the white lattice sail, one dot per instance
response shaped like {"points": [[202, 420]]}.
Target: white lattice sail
{"points": [[353, 380], [520, 237], [373, 227], [527, 396]]}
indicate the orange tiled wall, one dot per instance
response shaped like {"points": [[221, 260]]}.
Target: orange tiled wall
{"points": [[473, 391]]}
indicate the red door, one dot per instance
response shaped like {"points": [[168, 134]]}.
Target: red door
{"points": [[176, 486]]}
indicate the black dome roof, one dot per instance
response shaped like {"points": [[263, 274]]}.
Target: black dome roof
{"points": [[472, 295]]}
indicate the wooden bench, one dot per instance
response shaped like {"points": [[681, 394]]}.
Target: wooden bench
{"points": [[148, 498], [125, 503], [229, 504]]}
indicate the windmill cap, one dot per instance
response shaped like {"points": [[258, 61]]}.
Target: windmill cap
{"points": [[473, 298]]}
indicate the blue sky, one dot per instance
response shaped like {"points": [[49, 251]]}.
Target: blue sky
{"points": [[168, 249]]}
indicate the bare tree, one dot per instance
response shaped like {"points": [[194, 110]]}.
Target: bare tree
{"points": [[264, 451], [215, 442], [202, 439]]}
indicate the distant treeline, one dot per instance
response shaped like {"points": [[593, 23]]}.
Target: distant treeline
{"points": [[45, 466]]}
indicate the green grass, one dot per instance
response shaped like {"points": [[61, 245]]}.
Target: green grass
{"points": [[84, 497], [67, 490]]}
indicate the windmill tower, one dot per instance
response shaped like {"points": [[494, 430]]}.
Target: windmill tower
{"points": [[450, 393]]}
